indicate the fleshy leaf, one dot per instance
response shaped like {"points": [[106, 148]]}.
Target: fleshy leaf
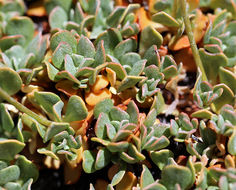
{"points": [[100, 129], [85, 47], [165, 19], [128, 82], [102, 159], [54, 129], [47, 101], [174, 174], [232, 144], [21, 25], [75, 110], [27, 169], [63, 36], [212, 63], [89, 158], [13, 145], [133, 112], [149, 33], [6, 121], [118, 176], [59, 54], [8, 174], [57, 18], [227, 97], [10, 81], [146, 177], [125, 46], [228, 78], [160, 158], [104, 106]]}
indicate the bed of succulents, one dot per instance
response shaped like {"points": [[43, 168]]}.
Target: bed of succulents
{"points": [[105, 94]]}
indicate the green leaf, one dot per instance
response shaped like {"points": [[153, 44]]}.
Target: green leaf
{"points": [[57, 18], [203, 113], [119, 70], [232, 144], [6, 121], [229, 78], [9, 41], [69, 65], [47, 101], [155, 186], [89, 158], [33, 124], [125, 46], [54, 129], [27, 185], [133, 151], [169, 67], [118, 114], [133, 112], [100, 56], [118, 176], [8, 174], [12, 186], [9, 148], [165, 19], [111, 131], [160, 158], [137, 68], [111, 38], [75, 110], [27, 169], [128, 82], [121, 135], [79, 14], [10, 81], [85, 47], [228, 113], [47, 153], [21, 25], [227, 97], [103, 158], [158, 103], [59, 54], [50, 4], [114, 18], [149, 33], [130, 58], [155, 143], [151, 118], [152, 56], [175, 174], [52, 71], [211, 63], [127, 158], [63, 36], [100, 129], [104, 106], [146, 177], [118, 146]]}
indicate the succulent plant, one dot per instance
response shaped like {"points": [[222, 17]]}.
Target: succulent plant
{"points": [[97, 15], [143, 91], [18, 176], [117, 130]]}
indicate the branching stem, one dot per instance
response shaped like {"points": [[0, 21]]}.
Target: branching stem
{"points": [[24, 109], [191, 39]]}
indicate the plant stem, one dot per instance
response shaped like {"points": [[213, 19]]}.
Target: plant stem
{"points": [[24, 109], [175, 8], [191, 39]]}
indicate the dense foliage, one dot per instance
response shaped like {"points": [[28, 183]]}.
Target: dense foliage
{"points": [[143, 89]]}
